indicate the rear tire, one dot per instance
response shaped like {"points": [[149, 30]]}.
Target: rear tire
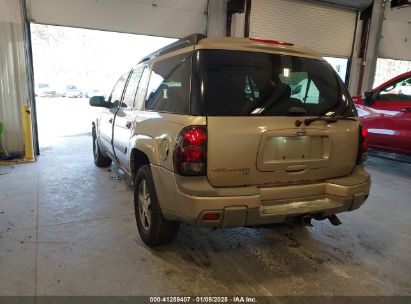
{"points": [[153, 228], [100, 160]]}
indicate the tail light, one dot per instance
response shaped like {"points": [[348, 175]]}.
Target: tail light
{"points": [[363, 145], [190, 154]]}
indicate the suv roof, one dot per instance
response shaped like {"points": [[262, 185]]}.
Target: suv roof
{"points": [[257, 45], [200, 41]]}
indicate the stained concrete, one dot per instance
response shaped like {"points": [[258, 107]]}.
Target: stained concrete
{"points": [[68, 228]]}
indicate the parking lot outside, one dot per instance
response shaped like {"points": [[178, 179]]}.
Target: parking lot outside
{"points": [[59, 117]]}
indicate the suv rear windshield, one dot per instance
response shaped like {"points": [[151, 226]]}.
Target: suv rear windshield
{"points": [[241, 83]]}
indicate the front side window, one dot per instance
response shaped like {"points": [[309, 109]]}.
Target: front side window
{"points": [[117, 93], [398, 91], [241, 83], [169, 86]]}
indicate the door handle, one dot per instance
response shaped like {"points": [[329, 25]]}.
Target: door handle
{"points": [[110, 120], [128, 124], [406, 110]]}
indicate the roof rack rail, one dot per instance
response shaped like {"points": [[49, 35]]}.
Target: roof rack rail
{"points": [[179, 44]]}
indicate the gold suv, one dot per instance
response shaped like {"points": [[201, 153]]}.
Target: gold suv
{"points": [[232, 132]]}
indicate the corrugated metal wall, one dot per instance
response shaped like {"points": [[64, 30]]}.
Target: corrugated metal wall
{"points": [[324, 28], [13, 78]]}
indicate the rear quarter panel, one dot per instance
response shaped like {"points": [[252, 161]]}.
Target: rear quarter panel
{"points": [[156, 134]]}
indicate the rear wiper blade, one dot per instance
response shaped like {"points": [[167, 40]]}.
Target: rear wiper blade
{"points": [[328, 119]]}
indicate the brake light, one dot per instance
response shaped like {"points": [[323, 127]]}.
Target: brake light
{"points": [[195, 136], [363, 145], [190, 154], [269, 41]]}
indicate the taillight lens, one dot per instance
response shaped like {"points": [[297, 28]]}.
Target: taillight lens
{"points": [[363, 145], [190, 154]]}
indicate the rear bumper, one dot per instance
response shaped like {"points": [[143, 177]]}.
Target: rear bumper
{"points": [[283, 210], [248, 206]]}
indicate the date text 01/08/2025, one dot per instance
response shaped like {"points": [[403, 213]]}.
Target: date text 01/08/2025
{"points": [[207, 299]]}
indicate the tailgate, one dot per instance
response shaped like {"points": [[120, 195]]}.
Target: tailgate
{"points": [[248, 150]]}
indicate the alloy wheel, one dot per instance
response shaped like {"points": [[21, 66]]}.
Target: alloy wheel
{"points": [[144, 202]]}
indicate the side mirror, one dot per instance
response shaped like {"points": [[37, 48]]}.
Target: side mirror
{"points": [[367, 98], [98, 101]]}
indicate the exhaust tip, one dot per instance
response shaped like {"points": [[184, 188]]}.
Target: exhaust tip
{"points": [[334, 220], [307, 220]]}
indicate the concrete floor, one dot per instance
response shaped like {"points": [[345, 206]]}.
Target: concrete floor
{"points": [[67, 228]]}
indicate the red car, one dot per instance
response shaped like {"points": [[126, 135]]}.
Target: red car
{"points": [[386, 112]]}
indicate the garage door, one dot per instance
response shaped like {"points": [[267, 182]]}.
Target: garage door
{"points": [[177, 18], [396, 34], [326, 29]]}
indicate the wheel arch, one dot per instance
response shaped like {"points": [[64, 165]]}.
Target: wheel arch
{"points": [[144, 151], [137, 159]]}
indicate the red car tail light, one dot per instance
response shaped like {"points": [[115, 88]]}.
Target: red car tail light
{"points": [[190, 154], [363, 145]]}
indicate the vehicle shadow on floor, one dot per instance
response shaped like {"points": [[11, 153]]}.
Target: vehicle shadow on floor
{"points": [[256, 252], [299, 258]]}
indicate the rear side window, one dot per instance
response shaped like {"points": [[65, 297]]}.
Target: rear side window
{"points": [[142, 86], [169, 86], [248, 83], [130, 93]]}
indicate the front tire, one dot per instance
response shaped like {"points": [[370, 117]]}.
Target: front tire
{"points": [[153, 228], [100, 160]]}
